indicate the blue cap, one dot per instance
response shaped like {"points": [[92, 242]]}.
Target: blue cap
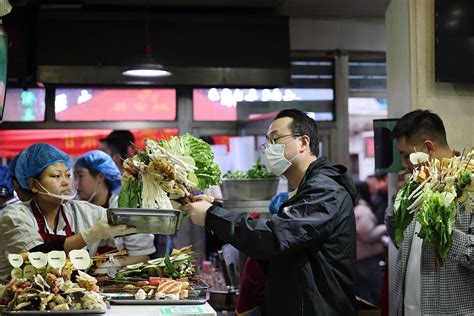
{"points": [[100, 162], [277, 201], [34, 159], [6, 185]]}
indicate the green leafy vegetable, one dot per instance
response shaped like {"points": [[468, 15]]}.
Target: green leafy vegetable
{"points": [[130, 195], [208, 172], [403, 217], [170, 269], [258, 171], [437, 217]]}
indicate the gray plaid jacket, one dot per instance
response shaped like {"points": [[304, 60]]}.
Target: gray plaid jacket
{"points": [[449, 291]]}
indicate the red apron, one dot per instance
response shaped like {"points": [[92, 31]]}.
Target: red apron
{"points": [[42, 230]]}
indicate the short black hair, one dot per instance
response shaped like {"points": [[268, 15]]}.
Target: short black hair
{"points": [[119, 141], [420, 125], [302, 124]]}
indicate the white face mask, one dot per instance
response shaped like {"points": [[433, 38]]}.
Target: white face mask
{"points": [[95, 192], [275, 157], [63, 198]]}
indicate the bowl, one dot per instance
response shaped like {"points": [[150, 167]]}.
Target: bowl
{"points": [[249, 189]]}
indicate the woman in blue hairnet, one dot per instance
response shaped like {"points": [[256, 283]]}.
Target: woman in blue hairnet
{"points": [[99, 182], [51, 220]]}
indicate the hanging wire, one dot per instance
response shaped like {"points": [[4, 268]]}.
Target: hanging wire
{"points": [[147, 30]]}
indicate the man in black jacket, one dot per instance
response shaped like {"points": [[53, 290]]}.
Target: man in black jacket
{"points": [[309, 247]]}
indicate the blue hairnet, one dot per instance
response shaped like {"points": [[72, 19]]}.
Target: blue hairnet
{"points": [[34, 159], [277, 201], [100, 162], [5, 180]]}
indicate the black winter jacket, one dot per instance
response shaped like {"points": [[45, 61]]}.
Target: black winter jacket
{"points": [[309, 247]]}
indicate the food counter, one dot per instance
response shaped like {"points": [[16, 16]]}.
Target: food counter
{"points": [[158, 310]]}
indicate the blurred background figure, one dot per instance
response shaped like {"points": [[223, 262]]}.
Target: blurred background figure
{"points": [[118, 145], [380, 197], [22, 194], [98, 179], [7, 196], [371, 247]]}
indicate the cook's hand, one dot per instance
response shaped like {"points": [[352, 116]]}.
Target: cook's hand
{"points": [[102, 231], [197, 211]]}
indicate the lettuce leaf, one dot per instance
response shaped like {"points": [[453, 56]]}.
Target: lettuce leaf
{"points": [[208, 172], [436, 217], [130, 195]]}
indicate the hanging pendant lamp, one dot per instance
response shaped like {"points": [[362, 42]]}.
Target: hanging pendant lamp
{"points": [[146, 66]]}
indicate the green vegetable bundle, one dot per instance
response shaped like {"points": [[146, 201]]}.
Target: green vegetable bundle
{"points": [[168, 171], [258, 171], [432, 194]]}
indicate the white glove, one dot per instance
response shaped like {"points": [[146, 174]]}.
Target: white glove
{"points": [[102, 231]]}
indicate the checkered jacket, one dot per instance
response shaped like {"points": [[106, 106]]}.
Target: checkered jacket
{"points": [[449, 291]]}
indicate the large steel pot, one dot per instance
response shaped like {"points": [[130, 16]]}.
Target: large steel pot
{"points": [[249, 189]]}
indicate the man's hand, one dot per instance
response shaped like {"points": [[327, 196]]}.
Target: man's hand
{"points": [[197, 211]]}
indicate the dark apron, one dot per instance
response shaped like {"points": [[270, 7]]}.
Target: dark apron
{"points": [[42, 230]]}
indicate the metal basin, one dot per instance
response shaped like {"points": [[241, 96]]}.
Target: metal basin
{"points": [[223, 300], [249, 189], [148, 221]]}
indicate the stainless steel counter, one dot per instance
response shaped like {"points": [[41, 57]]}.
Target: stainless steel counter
{"points": [[159, 310]]}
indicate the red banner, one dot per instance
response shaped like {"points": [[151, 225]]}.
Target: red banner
{"points": [[75, 142]]}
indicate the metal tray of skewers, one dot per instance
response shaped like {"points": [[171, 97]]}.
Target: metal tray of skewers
{"points": [[196, 294], [148, 221]]}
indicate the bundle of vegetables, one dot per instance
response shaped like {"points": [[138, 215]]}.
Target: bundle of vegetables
{"points": [[432, 194], [258, 171], [166, 171], [180, 264]]}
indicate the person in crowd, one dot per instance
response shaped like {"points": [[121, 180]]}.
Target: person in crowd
{"points": [[7, 196], [419, 288], [51, 220], [380, 198], [309, 248], [22, 194], [119, 145], [99, 182], [370, 247], [251, 299]]}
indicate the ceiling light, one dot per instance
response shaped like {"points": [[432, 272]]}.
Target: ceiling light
{"points": [[146, 66]]}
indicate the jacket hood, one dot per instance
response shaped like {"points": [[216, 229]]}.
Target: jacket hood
{"points": [[336, 172]]}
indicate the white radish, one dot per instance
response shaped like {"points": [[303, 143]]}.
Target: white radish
{"points": [[15, 260], [57, 259], [80, 259], [38, 259]]}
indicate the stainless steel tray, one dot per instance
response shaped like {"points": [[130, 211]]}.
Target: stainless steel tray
{"points": [[149, 221], [196, 298], [68, 313]]}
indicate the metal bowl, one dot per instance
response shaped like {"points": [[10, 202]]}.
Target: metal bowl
{"points": [[148, 221], [249, 189]]}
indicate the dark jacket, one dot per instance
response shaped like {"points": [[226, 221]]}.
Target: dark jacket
{"points": [[309, 246]]}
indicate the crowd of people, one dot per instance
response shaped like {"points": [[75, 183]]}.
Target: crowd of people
{"points": [[324, 243]]}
